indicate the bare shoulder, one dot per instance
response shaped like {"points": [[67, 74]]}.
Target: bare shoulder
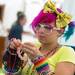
{"points": [[65, 68]]}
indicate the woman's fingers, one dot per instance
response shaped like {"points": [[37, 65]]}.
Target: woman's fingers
{"points": [[17, 42], [31, 51], [30, 44], [14, 43], [28, 51], [30, 47]]}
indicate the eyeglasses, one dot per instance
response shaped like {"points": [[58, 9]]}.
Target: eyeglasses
{"points": [[46, 28]]}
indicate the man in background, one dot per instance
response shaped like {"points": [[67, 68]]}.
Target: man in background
{"points": [[17, 28]]}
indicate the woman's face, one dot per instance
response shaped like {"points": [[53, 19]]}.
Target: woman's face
{"points": [[46, 33]]}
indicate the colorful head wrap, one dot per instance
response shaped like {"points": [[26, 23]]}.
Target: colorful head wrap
{"points": [[49, 14], [68, 36], [43, 18]]}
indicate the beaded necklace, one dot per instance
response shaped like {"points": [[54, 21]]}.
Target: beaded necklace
{"points": [[52, 51]]}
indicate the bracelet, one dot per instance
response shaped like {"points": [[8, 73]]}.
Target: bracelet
{"points": [[41, 65], [36, 58]]}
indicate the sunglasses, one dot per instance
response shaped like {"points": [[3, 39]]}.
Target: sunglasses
{"points": [[46, 27]]}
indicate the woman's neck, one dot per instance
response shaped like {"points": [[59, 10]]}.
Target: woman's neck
{"points": [[49, 46]]}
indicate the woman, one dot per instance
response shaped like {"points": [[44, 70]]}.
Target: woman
{"points": [[51, 58]]}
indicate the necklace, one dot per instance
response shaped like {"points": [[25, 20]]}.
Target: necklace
{"points": [[51, 52]]}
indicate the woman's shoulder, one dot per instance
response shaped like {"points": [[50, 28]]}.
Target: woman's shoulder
{"points": [[66, 49], [67, 54]]}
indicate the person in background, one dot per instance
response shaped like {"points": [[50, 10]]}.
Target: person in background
{"points": [[17, 28], [50, 58]]}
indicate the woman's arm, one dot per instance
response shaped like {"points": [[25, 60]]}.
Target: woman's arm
{"points": [[64, 68]]}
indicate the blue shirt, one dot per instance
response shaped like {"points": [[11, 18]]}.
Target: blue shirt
{"points": [[15, 31]]}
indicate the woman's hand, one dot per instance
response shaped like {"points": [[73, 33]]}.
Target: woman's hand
{"points": [[31, 50], [28, 48], [15, 43]]}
